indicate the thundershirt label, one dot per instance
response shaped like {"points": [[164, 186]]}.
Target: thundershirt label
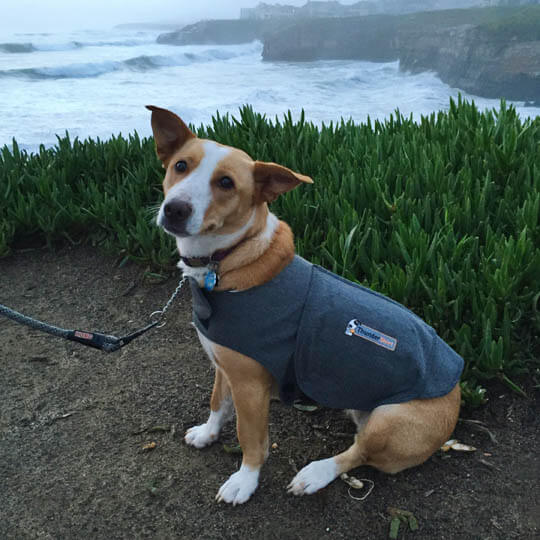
{"points": [[355, 328]]}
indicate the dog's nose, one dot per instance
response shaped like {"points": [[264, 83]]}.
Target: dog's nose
{"points": [[177, 211]]}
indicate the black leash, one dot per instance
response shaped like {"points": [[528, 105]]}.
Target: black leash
{"points": [[97, 340]]}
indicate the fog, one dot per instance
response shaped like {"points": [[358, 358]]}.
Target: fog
{"points": [[51, 15]]}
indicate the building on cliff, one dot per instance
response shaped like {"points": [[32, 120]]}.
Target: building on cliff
{"points": [[333, 8], [330, 8], [268, 11], [322, 9], [361, 9]]}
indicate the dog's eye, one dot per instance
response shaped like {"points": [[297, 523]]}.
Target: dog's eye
{"points": [[180, 166], [226, 182]]}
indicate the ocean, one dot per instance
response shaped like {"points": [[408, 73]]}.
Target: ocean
{"points": [[95, 84]]}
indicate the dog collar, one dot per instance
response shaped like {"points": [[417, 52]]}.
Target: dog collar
{"points": [[212, 263], [213, 260], [199, 262]]}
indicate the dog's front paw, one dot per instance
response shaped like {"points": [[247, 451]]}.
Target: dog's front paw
{"points": [[239, 487], [201, 436], [313, 477]]}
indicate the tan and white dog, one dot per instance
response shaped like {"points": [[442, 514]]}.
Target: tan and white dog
{"points": [[216, 198]]}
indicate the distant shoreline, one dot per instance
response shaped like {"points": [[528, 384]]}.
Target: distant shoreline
{"points": [[489, 52]]}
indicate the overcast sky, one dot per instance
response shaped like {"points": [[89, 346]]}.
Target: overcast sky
{"points": [[44, 15]]}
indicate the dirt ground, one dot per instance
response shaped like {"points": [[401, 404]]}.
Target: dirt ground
{"points": [[73, 423]]}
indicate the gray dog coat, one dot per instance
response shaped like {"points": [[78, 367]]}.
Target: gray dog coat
{"points": [[336, 342]]}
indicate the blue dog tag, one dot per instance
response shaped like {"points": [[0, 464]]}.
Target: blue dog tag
{"points": [[210, 280]]}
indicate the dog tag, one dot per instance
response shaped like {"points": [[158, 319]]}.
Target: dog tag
{"points": [[210, 280]]}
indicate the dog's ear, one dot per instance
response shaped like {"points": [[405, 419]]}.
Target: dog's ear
{"points": [[170, 132], [271, 180]]}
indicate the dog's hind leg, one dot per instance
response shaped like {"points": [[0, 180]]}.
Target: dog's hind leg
{"points": [[221, 410], [319, 474], [395, 437]]}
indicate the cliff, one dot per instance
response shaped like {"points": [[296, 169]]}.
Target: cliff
{"points": [[497, 57], [469, 58], [371, 38], [221, 32], [490, 52]]}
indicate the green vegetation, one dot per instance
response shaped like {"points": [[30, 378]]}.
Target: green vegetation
{"points": [[443, 215], [521, 24], [500, 17]]}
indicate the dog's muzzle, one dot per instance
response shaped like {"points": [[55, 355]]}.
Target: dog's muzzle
{"points": [[175, 216]]}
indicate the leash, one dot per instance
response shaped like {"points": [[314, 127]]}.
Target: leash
{"points": [[97, 340]]}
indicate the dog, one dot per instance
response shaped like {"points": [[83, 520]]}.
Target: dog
{"points": [[399, 382]]}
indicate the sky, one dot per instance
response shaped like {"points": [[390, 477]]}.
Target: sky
{"points": [[53, 15]]}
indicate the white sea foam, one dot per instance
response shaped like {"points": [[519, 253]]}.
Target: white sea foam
{"points": [[97, 83], [137, 63]]}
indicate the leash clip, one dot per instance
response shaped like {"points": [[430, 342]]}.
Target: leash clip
{"points": [[158, 318]]}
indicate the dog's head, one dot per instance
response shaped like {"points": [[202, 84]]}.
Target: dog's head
{"points": [[211, 188]]}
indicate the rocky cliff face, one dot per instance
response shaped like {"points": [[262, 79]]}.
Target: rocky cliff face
{"points": [[469, 58], [487, 52], [371, 38]]}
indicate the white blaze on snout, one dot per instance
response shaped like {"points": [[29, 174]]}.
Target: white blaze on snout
{"points": [[195, 187]]}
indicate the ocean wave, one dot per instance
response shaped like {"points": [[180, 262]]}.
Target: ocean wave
{"points": [[71, 71], [146, 63], [70, 45], [119, 43], [137, 63], [33, 47], [17, 47]]}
